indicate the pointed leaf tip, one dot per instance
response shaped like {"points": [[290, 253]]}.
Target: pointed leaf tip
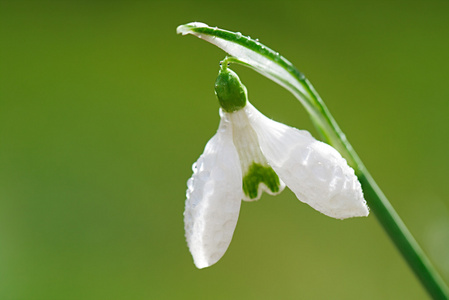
{"points": [[188, 28]]}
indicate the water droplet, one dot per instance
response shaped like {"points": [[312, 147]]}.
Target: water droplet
{"points": [[257, 40], [238, 35], [190, 184], [197, 24]]}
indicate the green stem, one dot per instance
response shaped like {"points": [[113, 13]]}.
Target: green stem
{"points": [[402, 238], [379, 204], [252, 54]]}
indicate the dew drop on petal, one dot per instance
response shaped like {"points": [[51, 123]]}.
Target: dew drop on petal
{"points": [[238, 35], [190, 184]]}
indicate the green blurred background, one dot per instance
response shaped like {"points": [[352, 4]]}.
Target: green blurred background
{"points": [[103, 110]]}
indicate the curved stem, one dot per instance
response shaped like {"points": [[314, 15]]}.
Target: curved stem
{"points": [[377, 201], [253, 54], [379, 204]]}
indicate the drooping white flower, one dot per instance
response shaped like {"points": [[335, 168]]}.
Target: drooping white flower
{"points": [[251, 153]]}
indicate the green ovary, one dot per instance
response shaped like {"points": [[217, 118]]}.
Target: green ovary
{"points": [[257, 174]]}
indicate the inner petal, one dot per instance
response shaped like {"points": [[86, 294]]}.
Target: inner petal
{"points": [[257, 174]]}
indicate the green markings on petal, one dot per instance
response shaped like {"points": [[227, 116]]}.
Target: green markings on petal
{"points": [[257, 174]]}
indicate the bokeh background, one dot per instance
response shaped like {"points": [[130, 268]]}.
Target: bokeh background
{"points": [[103, 110]]}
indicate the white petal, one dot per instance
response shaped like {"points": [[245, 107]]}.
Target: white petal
{"points": [[213, 199], [257, 175], [314, 171]]}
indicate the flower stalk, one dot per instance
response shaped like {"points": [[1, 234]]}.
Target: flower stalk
{"points": [[253, 54]]}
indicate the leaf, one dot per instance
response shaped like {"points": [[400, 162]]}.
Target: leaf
{"points": [[269, 63]]}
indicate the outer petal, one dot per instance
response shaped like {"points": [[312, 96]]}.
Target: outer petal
{"points": [[314, 171], [213, 198]]}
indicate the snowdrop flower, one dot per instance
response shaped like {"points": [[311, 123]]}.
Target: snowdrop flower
{"points": [[249, 154]]}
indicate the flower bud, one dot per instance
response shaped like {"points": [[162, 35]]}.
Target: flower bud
{"points": [[230, 91]]}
